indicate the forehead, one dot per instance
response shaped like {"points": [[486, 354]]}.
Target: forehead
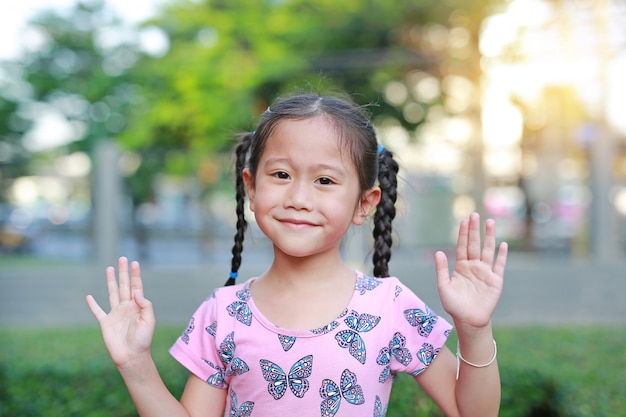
{"points": [[315, 135]]}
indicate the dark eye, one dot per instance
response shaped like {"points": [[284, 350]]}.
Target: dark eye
{"points": [[281, 175], [325, 181]]}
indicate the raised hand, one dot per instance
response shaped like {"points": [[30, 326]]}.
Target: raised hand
{"points": [[471, 293], [128, 328]]}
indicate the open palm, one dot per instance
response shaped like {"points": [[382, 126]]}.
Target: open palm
{"points": [[471, 293], [128, 328]]}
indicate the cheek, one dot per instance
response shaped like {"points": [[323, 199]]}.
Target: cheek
{"points": [[345, 208], [260, 197]]}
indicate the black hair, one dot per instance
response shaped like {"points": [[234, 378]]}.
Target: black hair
{"points": [[357, 136]]}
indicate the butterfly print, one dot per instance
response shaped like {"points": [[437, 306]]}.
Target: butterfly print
{"points": [[396, 350], [378, 408], [245, 410], [227, 348], [397, 292], [351, 339], [216, 379], [237, 367], [385, 374], [286, 341], [233, 365], [244, 294], [296, 379], [361, 322], [424, 321], [330, 326], [365, 283], [419, 371], [427, 353], [354, 342], [185, 336], [212, 329], [240, 309], [332, 394], [326, 329]]}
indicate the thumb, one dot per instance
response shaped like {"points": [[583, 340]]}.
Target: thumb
{"points": [[441, 268], [147, 310], [95, 308]]}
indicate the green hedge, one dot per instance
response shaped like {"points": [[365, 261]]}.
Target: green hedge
{"points": [[579, 372]]}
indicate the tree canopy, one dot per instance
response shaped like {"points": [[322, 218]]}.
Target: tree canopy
{"points": [[177, 88]]}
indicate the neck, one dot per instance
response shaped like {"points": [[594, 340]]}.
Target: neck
{"points": [[314, 290], [317, 270]]}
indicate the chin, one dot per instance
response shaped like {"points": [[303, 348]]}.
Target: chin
{"points": [[302, 252]]}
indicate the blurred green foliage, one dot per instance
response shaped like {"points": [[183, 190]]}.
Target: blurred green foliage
{"points": [[220, 65], [545, 372], [12, 153], [227, 60]]}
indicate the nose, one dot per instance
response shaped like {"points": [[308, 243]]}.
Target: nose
{"points": [[299, 195]]}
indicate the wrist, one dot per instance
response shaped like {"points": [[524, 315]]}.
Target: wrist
{"points": [[470, 332], [460, 358], [137, 367], [476, 347]]}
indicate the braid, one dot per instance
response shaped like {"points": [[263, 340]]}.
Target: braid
{"points": [[241, 153], [385, 212]]}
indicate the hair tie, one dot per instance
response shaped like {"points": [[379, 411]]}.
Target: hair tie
{"points": [[381, 148], [233, 275]]}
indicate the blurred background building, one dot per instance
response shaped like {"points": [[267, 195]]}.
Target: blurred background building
{"points": [[115, 132]]}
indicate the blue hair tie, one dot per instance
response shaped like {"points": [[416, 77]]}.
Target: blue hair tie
{"points": [[381, 148], [233, 275]]}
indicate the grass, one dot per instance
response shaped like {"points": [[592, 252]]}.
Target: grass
{"points": [[573, 371], [588, 363]]}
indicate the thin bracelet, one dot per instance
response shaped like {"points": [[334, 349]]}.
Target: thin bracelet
{"points": [[460, 358]]}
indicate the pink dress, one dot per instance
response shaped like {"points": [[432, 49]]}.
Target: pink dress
{"points": [[345, 368]]}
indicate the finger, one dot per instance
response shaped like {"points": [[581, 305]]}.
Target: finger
{"points": [[441, 268], [122, 270], [473, 239], [112, 288], [489, 247], [462, 241], [500, 264], [147, 311], [95, 308], [136, 286]]}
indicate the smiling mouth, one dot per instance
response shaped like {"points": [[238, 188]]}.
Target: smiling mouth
{"points": [[297, 224]]}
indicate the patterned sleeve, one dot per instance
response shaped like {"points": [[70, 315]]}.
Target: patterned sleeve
{"points": [[421, 333], [196, 349]]}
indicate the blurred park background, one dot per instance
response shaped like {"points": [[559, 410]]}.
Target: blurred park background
{"points": [[116, 129], [117, 121]]}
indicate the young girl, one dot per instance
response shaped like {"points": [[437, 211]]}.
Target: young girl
{"points": [[310, 336]]}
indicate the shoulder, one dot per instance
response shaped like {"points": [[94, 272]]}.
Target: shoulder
{"points": [[390, 285], [232, 292], [224, 300], [389, 294]]}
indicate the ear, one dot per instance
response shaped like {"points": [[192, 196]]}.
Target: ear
{"points": [[369, 201], [248, 182]]}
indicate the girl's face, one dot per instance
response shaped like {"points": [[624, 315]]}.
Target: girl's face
{"points": [[306, 191]]}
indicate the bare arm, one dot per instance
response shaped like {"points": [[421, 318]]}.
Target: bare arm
{"points": [[470, 296], [127, 331]]}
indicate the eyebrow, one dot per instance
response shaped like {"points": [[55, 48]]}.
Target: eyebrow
{"points": [[321, 166]]}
